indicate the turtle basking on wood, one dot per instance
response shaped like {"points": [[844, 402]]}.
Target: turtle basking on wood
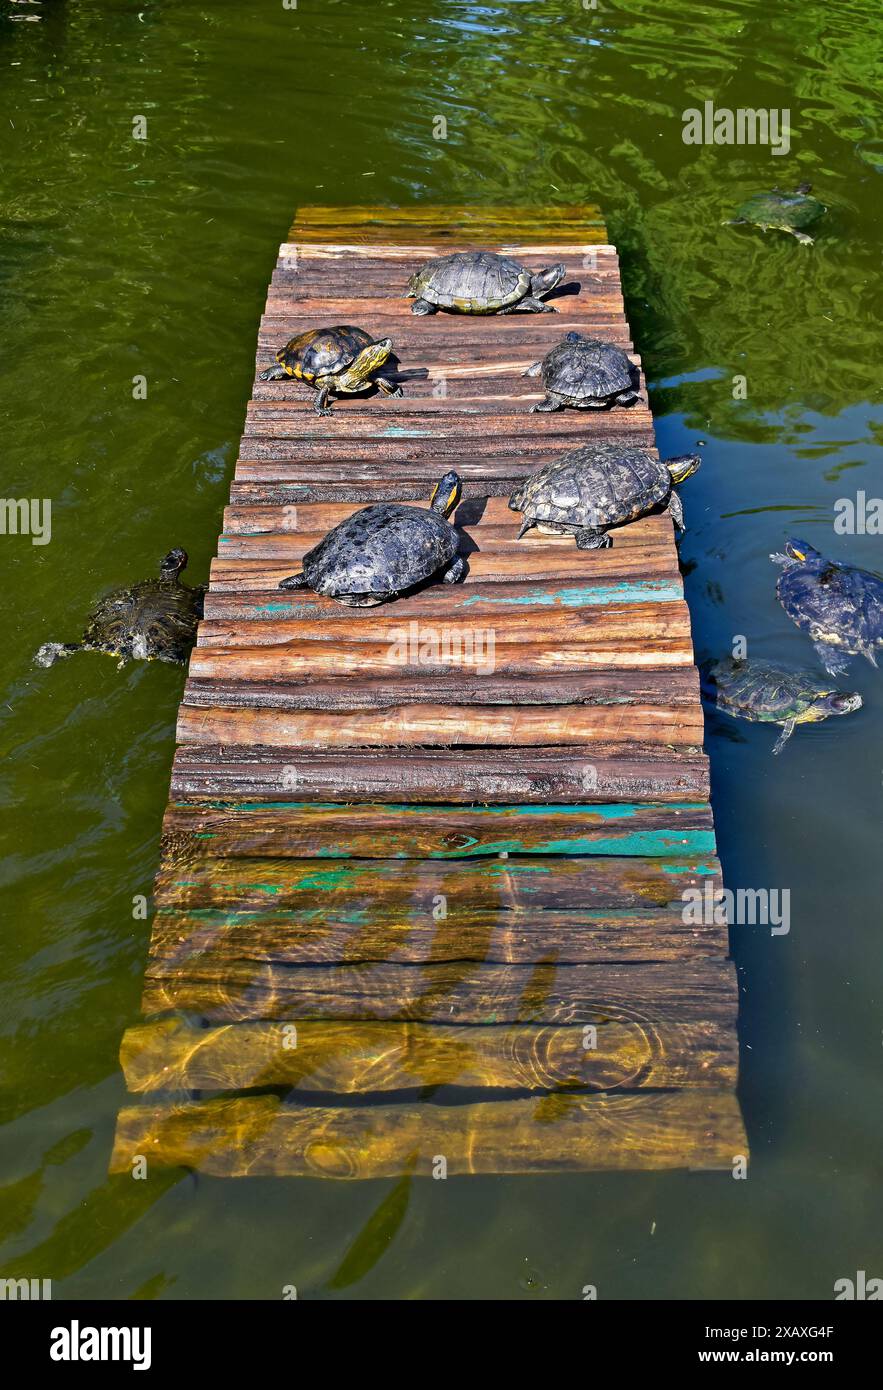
{"points": [[761, 690], [154, 620], [335, 362], [381, 551], [481, 282], [587, 374], [784, 212], [594, 487], [840, 606]]}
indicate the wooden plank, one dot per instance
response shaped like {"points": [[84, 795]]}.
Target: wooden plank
{"points": [[446, 991], [348, 1058], [499, 777], [385, 885], [261, 1136], [208, 937], [326, 830]]}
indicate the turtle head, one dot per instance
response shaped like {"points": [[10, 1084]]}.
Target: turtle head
{"points": [[683, 466], [799, 551], [545, 281], [363, 365], [834, 702], [171, 565], [446, 494], [803, 188]]}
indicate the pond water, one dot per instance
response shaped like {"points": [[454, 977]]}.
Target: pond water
{"points": [[122, 257]]}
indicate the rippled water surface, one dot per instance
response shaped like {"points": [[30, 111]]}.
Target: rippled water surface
{"points": [[121, 257]]}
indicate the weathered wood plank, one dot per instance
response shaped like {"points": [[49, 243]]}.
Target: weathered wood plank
{"points": [[386, 886], [428, 775], [673, 686], [465, 992], [261, 1136], [185, 940], [327, 830], [348, 1058]]}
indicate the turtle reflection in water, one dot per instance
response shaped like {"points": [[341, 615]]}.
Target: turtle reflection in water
{"points": [[761, 690], [154, 620]]}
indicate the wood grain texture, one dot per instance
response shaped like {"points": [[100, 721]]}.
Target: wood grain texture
{"points": [[262, 1136], [348, 1058]]}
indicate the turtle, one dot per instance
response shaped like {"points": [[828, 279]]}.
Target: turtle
{"points": [[784, 212], [839, 605], [585, 373], [774, 694], [154, 620], [592, 488], [383, 550], [481, 282], [335, 361]]}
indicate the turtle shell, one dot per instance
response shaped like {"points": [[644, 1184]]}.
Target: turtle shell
{"points": [[786, 210], [760, 690], [581, 368], [322, 351], [154, 620], [837, 604], [380, 550], [591, 486], [474, 282]]}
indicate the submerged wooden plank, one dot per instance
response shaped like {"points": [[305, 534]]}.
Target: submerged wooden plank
{"points": [[325, 830], [401, 934], [261, 1136], [168, 1054]]}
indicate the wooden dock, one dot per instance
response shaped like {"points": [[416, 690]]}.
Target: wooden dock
{"points": [[420, 905]]}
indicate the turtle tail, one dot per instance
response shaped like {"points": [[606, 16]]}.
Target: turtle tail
{"points": [[294, 581], [525, 526]]}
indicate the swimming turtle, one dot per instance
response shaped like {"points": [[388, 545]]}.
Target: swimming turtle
{"points": [[336, 361], [595, 487], [585, 373], [382, 550], [154, 620], [774, 694], [840, 606], [481, 282], [784, 212]]}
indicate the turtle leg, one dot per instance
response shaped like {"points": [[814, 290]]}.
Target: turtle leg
{"points": [[801, 237], [833, 662], [526, 524], [50, 652], [529, 305], [294, 581], [275, 373], [389, 388], [787, 731], [676, 511], [587, 538], [322, 404], [423, 306], [549, 402], [534, 369], [456, 571]]}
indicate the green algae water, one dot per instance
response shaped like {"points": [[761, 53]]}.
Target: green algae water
{"points": [[132, 276]]}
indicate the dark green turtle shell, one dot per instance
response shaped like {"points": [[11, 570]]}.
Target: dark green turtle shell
{"points": [[322, 351], [594, 486], [785, 210], [580, 368], [381, 550], [761, 690], [473, 281], [839, 605], [154, 620]]}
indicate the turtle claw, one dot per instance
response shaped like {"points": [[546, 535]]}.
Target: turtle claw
{"points": [[834, 664]]}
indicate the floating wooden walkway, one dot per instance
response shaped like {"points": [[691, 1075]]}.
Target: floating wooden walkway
{"points": [[421, 899]]}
